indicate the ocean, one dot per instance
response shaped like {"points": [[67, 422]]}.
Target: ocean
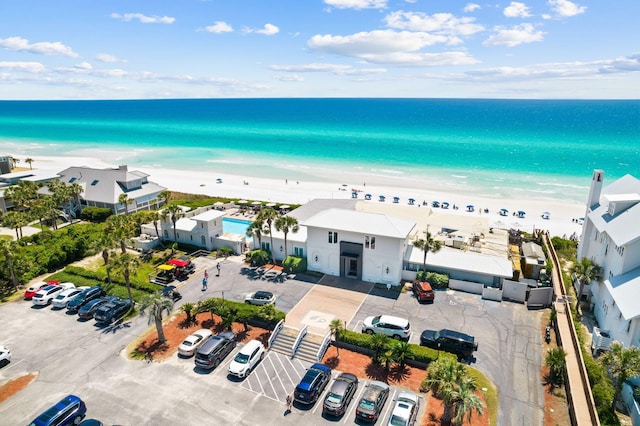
{"points": [[499, 148]]}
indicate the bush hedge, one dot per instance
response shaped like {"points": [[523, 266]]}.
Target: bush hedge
{"points": [[294, 264], [95, 214], [257, 257], [437, 280], [251, 313]]}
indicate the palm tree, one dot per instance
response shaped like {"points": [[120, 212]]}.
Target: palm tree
{"points": [[29, 161], [443, 374], [401, 352], [255, 230], [127, 265], [164, 196], [622, 363], [124, 199], [585, 271], [379, 343], [465, 401], [155, 305], [556, 361], [336, 328], [103, 244], [155, 217], [427, 244], [175, 213], [74, 190], [286, 224], [268, 215], [12, 220], [387, 357], [121, 228], [7, 249]]}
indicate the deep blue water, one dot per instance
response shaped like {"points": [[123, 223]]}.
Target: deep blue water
{"points": [[549, 147]]}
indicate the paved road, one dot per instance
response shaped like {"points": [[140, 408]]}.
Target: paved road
{"points": [[72, 356]]}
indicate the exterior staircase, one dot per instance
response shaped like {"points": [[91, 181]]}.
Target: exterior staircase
{"points": [[307, 349]]}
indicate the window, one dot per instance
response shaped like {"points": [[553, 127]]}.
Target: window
{"points": [[369, 242], [333, 237], [72, 180], [373, 243], [366, 241], [95, 182], [298, 251], [628, 326]]}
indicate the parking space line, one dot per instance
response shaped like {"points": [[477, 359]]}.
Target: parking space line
{"points": [[355, 328], [354, 402], [282, 385], [390, 404]]}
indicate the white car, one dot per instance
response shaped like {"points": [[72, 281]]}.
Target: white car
{"points": [[248, 357], [45, 295], [406, 410], [67, 286], [396, 327], [5, 355], [260, 298], [191, 344], [64, 296]]}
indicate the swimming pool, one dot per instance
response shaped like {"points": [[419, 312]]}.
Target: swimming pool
{"points": [[236, 226]]}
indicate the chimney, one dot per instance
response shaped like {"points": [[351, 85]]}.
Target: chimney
{"points": [[595, 189], [123, 167]]}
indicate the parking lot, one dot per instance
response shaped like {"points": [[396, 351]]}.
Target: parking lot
{"points": [[70, 356]]}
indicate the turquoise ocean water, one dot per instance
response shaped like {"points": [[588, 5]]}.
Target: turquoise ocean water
{"points": [[545, 148]]}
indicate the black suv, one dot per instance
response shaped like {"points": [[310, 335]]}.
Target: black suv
{"points": [[455, 342], [214, 350], [112, 311], [312, 384], [87, 295]]}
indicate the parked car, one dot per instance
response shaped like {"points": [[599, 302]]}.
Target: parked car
{"points": [[89, 294], [112, 311], [88, 310], [191, 344], [171, 293], [406, 410], [68, 411], [67, 285], [215, 349], [423, 292], [372, 401], [340, 394], [33, 289], [452, 341], [246, 359], [65, 296], [5, 356], [312, 384], [45, 295], [398, 328], [260, 298]]}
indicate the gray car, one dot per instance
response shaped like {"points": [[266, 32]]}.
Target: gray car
{"points": [[340, 394], [372, 401]]}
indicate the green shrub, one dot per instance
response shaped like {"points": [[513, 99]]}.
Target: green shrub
{"points": [[226, 251], [437, 280], [95, 214], [243, 310], [294, 264], [257, 257]]}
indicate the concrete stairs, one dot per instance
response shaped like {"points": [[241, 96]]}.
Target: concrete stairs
{"points": [[283, 343], [307, 350], [309, 347]]}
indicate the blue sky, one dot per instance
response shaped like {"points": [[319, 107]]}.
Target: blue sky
{"points": [[133, 49]]}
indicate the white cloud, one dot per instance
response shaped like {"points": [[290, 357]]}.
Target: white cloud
{"points": [[517, 10], [357, 4], [105, 57], [219, 27], [32, 67], [566, 7], [43, 48], [290, 77], [337, 69], [144, 19], [471, 7], [513, 36], [84, 66], [269, 29], [442, 23]]}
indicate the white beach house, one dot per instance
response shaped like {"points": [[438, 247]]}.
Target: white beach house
{"points": [[611, 239], [103, 187]]}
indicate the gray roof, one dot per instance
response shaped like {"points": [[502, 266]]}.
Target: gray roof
{"points": [[621, 228], [315, 206], [625, 290], [361, 222], [106, 185], [531, 249]]}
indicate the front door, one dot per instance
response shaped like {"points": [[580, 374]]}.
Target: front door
{"points": [[352, 270]]}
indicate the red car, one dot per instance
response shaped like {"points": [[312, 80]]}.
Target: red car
{"points": [[32, 290]]}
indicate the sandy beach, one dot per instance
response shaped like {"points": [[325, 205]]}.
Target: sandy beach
{"points": [[243, 185]]}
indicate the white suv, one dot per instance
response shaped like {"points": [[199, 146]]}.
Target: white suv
{"points": [[398, 328], [45, 295], [248, 357]]}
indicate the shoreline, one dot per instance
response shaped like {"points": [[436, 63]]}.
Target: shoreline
{"points": [[246, 186]]}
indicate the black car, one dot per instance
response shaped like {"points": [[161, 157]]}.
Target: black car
{"points": [[455, 342], [312, 384], [89, 309], [214, 350], [84, 297], [340, 394], [112, 311]]}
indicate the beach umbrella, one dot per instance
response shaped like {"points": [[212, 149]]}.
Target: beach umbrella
{"points": [[504, 212], [242, 202], [412, 200], [444, 205], [284, 207], [271, 204], [354, 194], [382, 198], [396, 199], [470, 207], [546, 215], [521, 213], [367, 196]]}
